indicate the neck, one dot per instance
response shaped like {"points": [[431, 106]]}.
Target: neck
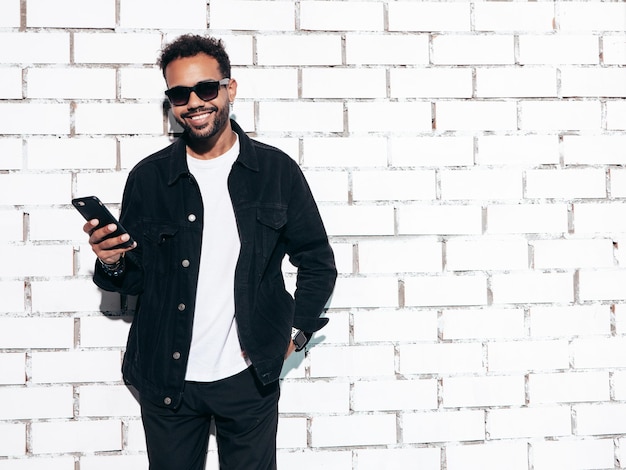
{"points": [[212, 147]]}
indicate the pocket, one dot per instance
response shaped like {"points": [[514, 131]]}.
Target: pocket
{"points": [[159, 247], [270, 222]]}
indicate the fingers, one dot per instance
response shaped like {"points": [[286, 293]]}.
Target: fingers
{"points": [[106, 248]]}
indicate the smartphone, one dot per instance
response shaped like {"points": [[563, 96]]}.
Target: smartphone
{"points": [[91, 207]]}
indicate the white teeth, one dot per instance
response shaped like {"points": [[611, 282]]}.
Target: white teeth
{"points": [[199, 116]]}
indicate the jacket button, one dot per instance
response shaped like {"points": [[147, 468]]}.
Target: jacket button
{"points": [[191, 217], [181, 307], [167, 400], [185, 263], [176, 355]]}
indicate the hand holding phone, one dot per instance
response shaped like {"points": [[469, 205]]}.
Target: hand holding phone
{"points": [[90, 207]]}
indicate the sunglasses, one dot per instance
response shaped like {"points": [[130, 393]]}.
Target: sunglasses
{"points": [[206, 90]]}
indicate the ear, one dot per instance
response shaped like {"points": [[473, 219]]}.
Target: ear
{"points": [[232, 90]]}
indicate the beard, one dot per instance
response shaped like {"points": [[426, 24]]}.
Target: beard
{"points": [[212, 128]]}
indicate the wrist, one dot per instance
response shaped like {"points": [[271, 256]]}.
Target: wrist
{"points": [[113, 269]]}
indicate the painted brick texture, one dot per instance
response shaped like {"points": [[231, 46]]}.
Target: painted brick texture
{"points": [[467, 158]]}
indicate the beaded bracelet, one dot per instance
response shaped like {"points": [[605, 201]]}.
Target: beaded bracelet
{"points": [[115, 269]]}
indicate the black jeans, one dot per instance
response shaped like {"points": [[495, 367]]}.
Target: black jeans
{"points": [[246, 420]]}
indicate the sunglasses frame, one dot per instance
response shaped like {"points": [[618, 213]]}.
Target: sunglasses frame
{"points": [[189, 89]]}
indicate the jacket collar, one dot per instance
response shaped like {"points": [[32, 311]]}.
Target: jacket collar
{"points": [[178, 154]]}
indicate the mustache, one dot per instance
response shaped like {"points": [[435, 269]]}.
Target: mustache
{"points": [[200, 109]]}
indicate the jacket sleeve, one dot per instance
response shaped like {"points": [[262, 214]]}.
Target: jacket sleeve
{"points": [[309, 250], [130, 282]]}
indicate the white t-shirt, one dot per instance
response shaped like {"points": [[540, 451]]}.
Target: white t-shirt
{"points": [[215, 349]]}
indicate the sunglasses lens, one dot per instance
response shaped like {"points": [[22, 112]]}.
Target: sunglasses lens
{"points": [[179, 95], [207, 91]]}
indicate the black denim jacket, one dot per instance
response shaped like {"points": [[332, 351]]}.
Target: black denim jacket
{"points": [[276, 215]]}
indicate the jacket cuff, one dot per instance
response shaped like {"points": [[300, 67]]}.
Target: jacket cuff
{"points": [[309, 325]]}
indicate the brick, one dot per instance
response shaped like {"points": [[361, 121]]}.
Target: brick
{"points": [[593, 82], [107, 400], [135, 437], [328, 185], [11, 78], [446, 290], [486, 254], [529, 422], [16, 188], [594, 149], [12, 439], [343, 257], [615, 115], [151, 14], [483, 391], [438, 151], [441, 358], [389, 395], [72, 153], [613, 50], [133, 149], [346, 83], [76, 436], [572, 254], [13, 366], [108, 186], [580, 453], [537, 17], [592, 17], [300, 117], [119, 462], [341, 16], [10, 14], [406, 185], [523, 150], [600, 419], [37, 402], [460, 49], [532, 287], [443, 426], [71, 14], [617, 183], [599, 353], [118, 118], [25, 260], [252, 15], [568, 387], [292, 432], [239, 47], [508, 356], [308, 460], [11, 148], [604, 284], [475, 115], [118, 48], [527, 218], [425, 458], [35, 48], [104, 331], [393, 117], [52, 118], [11, 225], [381, 325], [297, 50], [303, 397], [580, 320], [12, 294], [512, 455], [392, 256], [55, 463], [340, 152], [439, 219], [558, 49], [142, 83], [429, 16], [440, 82], [566, 184], [56, 224], [33, 332], [353, 361], [254, 83], [534, 82], [358, 220], [482, 323], [618, 384], [405, 49], [76, 366], [353, 430], [479, 184]]}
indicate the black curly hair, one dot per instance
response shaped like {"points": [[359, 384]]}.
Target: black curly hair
{"points": [[190, 45]]}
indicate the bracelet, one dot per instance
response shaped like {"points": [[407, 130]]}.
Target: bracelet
{"points": [[115, 269]]}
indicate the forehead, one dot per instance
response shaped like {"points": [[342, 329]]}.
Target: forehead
{"points": [[188, 71]]}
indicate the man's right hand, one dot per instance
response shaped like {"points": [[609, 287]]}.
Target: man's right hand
{"points": [[102, 246]]}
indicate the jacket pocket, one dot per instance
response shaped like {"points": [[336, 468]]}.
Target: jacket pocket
{"points": [[270, 222], [159, 248]]}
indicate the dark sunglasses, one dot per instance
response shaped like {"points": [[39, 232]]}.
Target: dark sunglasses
{"points": [[206, 91]]}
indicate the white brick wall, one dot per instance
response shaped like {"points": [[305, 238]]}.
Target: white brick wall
{"points": [[467, 159]]}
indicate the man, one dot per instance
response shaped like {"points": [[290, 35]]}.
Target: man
{"points": [[213, 216]]}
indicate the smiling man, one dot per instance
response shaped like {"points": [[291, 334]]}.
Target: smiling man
{"points": [[213, 215]]}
